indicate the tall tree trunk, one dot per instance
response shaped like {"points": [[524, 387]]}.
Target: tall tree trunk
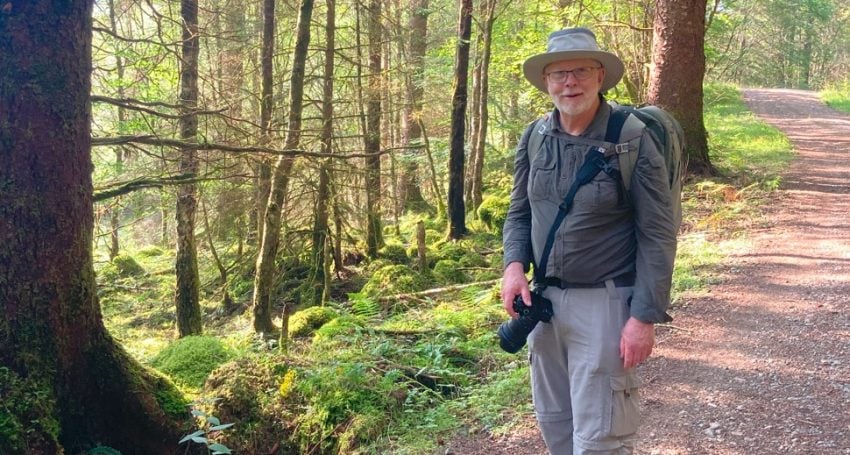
{"points": [[264, 277], [479, 147], [457, 213], [187, 296], [678, 71], [320, 223], [114, 212], [263, 168], [85, 389], [374, 234], [410, 184]]}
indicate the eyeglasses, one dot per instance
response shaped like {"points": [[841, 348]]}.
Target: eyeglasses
{"points": [[581, 73]]}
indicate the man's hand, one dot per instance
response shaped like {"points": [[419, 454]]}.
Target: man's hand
{"points": [[514, 283], [636, 342]]}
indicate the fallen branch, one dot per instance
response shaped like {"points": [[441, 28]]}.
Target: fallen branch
{"points": [[438, 291]]}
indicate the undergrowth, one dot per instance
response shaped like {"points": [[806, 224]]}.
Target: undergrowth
{"points": [[385, 367]]}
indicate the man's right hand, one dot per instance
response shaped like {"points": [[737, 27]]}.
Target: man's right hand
{"points": [[514, 283]]}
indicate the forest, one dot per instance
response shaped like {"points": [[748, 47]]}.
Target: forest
{"points": [[275, 227]]}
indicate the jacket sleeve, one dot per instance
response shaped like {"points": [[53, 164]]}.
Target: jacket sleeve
{"points": [[655, 232], [516, 234]]}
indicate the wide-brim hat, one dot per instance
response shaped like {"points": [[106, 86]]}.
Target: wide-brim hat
{"points": [[573, 44]]}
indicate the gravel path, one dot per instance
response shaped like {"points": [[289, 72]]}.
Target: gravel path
{"points": [[761, 363]]}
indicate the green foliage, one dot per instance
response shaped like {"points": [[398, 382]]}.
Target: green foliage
{"points": [[449, 271], [394, 252], [347, 404], [254, 391], [209, 427], [394, 279], [739, 144], [306, 321], [27, 412], [837, 96], [122, 266], [190, 360], [493, 211]]}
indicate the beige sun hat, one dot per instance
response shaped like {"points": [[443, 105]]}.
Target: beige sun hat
{"points": [[572, 44]]}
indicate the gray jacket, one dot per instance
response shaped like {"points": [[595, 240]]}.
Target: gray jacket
{"points": [[607, 233]]}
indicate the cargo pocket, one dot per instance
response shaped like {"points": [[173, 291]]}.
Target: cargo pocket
{"points": [[625, 414]]}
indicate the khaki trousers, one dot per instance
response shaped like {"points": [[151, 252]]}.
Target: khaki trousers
{"points": [[585, 402]]}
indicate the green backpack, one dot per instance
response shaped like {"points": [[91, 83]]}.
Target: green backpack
{"points": [[626, 125]]}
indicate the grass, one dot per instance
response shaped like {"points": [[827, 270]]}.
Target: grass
{"points": [[837, 97], [399, 377]]}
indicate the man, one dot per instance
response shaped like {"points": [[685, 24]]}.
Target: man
{"points": [[609, 272]]}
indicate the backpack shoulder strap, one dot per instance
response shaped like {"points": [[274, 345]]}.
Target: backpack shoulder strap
{"points": [[535, 140], [623, 129]]}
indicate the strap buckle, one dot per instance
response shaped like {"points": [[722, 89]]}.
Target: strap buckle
{"points": [[622, 148]]}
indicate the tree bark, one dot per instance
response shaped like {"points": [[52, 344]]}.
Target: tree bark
{"points": [[263, 168], [374, 234], [411, 193], [264, 276], [187, 298], [456, 211], [320, 223], [479, 147], [87, 390], [678, 71]]}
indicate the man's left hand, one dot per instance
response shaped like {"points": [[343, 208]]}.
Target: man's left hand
{"points": [[636, 342]]}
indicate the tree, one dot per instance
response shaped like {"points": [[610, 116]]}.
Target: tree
{"points": [[85, 387], [319, 263], [679, 68], [417, 45], [265, 268], [480, 108], [372, 135], [456, 210], [187, 296]]}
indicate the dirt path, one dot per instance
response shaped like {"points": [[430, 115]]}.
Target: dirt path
{"points": [[761, 365]]}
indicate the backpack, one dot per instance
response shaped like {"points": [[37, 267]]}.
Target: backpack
{"points": [[626, 125]]}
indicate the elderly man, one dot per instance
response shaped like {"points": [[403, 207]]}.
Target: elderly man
{"points": [[610, 269]]}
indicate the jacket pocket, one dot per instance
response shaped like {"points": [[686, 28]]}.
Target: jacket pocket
{"points": [[625, 412]]}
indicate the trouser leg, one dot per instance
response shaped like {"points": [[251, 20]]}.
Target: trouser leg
{"points": [[577, 369], [550, 388]]}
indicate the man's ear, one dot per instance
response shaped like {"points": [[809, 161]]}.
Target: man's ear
{"points": [[601, 75]]}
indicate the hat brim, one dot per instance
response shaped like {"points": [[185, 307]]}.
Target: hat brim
{"points": [[532, 68]]}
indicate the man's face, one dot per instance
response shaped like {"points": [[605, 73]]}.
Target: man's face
{"points": [[571, 94]]}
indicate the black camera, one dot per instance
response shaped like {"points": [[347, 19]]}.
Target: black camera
{"points": [[512, 334]]}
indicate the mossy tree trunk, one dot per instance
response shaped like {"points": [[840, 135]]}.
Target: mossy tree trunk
{"points": [[265, 269], [52, 336], [187, 297], [323, 196], [372, 135]]}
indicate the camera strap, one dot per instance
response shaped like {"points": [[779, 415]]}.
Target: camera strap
{"points": [[595, 160]]}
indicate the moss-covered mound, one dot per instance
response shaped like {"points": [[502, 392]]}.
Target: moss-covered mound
{"points": [[189, 360]]}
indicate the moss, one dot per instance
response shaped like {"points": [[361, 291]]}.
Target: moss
{"points": [[27, 410], [306, 321], [247, 391], [449, 271], [493, 211], [341, 326], [190, 360], [169, 398], [394, 279], [394, 252], [127, 266]]}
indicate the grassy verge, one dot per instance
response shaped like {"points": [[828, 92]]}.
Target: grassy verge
{"points": [[837, 97]]}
